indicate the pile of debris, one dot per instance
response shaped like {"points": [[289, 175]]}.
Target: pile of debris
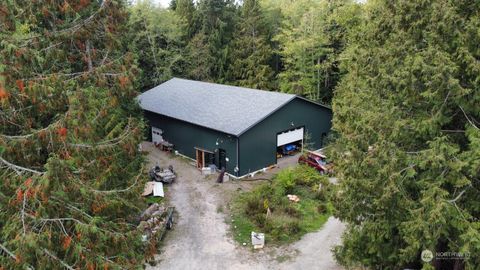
{"points": [[165, 175], [154, 220], [293, 198], [164, 146], [154, 189]]}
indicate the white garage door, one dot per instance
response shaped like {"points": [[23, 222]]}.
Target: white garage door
{"points": [[157, 135], [290, 136]]}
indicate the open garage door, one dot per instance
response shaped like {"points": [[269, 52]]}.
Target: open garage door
{"points": [[157, 135], [290, 136], [289, 142]]}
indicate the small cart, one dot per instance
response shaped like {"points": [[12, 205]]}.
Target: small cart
{"points": [[166, 176]]}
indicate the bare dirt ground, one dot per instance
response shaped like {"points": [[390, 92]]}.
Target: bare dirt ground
{"points": [[200, 238]]}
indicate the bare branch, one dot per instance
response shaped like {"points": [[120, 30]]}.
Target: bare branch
{"points": [[51, 46], [23, 212], [9, 253], [453, 130], [18, 137], [56, 258], [18, 169], [458, 196], [468, 119], [104, 58], [105, 143], [121, 190], [89, 57]]}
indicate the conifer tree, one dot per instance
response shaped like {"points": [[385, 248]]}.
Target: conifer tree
{"points": [[185, 9], [313, 35], [408, 155], [216, 24], [70, 168], [157, 37], [251, 54]]}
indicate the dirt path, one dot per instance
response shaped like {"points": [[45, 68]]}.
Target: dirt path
{"points": [[200, 239]]}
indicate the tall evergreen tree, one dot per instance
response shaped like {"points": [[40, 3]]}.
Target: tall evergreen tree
{"points": [[69, 128], [251, 54], [273, 16], [157, 37], [186, 10], [216, 29], [409, 153], [312, 37]]}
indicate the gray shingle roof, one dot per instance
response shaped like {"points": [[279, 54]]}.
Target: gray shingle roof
{"points": [[225, 108]]}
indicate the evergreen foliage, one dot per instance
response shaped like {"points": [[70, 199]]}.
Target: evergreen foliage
{"points": [[408, 152], [70, 169], [267, 208], [279, 45], [185, 9], [311, 39], [251, 54], [156, 36], [216, 26], [403, 76]]}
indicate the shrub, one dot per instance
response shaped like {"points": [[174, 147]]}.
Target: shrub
{"points": [[321, 195], [292, 228], [292, 211], [284, 182], [322, 208], [253, 206], [288, 220]]}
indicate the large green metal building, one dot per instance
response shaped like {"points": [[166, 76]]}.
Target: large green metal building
{"points": [[240, 129]]}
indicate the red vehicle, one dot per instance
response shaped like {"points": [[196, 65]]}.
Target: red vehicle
{"points": [[316, 160]]}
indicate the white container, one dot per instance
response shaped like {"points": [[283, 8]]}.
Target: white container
{"points": [[258, 239], [206, 171]]}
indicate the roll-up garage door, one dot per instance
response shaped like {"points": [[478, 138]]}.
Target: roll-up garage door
{"points": [[157, 135], [290, 136]]}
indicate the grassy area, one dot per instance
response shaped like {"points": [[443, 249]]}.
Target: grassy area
{"points": [[286, 221], [150, 199]]}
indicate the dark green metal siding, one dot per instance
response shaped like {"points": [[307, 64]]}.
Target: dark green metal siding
{"points": [[186, 136], [258, 145]]}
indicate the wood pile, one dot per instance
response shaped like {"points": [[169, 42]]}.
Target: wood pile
{"points": [[153, 220]]}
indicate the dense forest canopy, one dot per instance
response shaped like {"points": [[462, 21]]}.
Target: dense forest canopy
{"points": [[402, 77], [289, 46]]}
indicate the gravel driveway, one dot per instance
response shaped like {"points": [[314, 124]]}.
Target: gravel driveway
{"points": [[200, 238]]}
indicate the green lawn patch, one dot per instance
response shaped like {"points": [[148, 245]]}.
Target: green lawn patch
{"points": [[267, 209]]}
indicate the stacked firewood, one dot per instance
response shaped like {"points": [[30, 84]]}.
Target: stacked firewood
{"points": [[152, 220]]}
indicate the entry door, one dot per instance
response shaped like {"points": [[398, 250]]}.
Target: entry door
{"points": [[222, 158], [200, 158]]}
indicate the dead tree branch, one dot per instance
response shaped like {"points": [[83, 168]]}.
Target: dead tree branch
{"points": [[105, 143], [89, 57], [23, 212], [121, 190], [50, 254], [9, 253], [19, 137], [458, 196], [18, 169], [468, 118]]}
